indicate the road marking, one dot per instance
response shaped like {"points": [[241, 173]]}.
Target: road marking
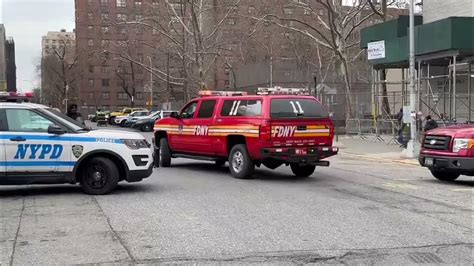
{"points": [[462, 189], [400, 185]]}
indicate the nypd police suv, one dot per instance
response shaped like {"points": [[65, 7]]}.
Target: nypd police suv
{"points": [[40, 145]]}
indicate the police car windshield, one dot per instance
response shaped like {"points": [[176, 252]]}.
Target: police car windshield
{"points": [[73, 124]]}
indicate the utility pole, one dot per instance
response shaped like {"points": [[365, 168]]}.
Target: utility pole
{"points": [[413, 146]]}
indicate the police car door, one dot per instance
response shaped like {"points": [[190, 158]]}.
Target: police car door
{"points": [[29, 147]]}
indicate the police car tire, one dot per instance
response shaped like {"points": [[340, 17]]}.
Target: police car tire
{"points": [[248, 166], [164, 153], [112, 173], [302, 170]]}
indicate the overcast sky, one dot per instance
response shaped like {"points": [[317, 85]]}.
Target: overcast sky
{"points": [[27, 21]]}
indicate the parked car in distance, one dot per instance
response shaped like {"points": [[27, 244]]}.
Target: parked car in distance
{"points": [[145, 124], [449, 152], [124, 112], [122, 120]]}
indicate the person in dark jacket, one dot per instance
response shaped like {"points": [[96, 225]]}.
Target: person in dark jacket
{"points": [[73, 113], [430, 123]]}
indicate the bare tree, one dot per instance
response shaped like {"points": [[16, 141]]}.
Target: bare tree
{"points": [[332, 25], [189, 31], [59, 74]]}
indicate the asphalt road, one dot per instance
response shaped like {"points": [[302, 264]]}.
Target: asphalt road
{"points": [[357, 211]]}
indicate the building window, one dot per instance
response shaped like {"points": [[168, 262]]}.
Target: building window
{"points": [[91, 95], [90, 42], [120, 70], [251, 9], [231, 21], [105, 95], [121, 16], [138, 3], [105, 82], [121, 3], [155, 2], [307, 11], [122, 96], [105, 70], [155, 31], [226, 82], [104, 2], [91, 69], [105, 29], [138, 17], [139, 95], [105, 43], [104, 16], [288, 11], [89, 2], [90, 29], [140, 57], [139, 31], [91, 83], [90, 16]]}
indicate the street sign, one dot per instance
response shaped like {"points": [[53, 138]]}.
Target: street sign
{"points": [[407, 116], [376, 50]]}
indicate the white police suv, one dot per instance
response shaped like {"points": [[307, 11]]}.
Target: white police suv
{"points": [[40, 145]]}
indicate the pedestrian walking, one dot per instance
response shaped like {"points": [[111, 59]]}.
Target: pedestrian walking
{"points": [[430, 124]]}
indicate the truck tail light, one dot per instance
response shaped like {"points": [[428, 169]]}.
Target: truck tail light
{"points": [[266, 132]]}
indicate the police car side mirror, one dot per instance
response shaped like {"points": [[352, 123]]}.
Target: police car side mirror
{"points": [[56, 130], [175, 115]]}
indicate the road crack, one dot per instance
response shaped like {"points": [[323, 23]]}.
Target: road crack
{"points": [[12, 258], [114, 232]]}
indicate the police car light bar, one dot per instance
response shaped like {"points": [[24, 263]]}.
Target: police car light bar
{"points": [[282, 91], [222, 93], [15, 97]]}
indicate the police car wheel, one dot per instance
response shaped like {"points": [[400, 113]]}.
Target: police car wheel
{"points": [[302, 170], [147, 128], [164, 153], [240, 164], [99, 177]]}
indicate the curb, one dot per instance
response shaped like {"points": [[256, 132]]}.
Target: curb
{"points": [[378, 159]]}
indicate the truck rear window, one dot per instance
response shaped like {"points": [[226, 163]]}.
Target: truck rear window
{"points": [[297, 108]]}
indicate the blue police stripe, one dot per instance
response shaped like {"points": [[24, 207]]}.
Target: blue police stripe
{"points": [[61, 138], [39, 163]]}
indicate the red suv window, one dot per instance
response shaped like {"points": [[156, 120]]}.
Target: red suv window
{"points": [[207, 109]]}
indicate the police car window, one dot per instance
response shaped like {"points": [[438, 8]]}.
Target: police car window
{"points": [[207, 109], [246, 108], [189, 111], [22, 120], [292, 108]]}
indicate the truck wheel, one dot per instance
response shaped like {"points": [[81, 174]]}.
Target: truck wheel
{"points": [[302, 170], [240, 164], [122, 123], [445, 175], [164, 153], [99, 177], [146, 128]]}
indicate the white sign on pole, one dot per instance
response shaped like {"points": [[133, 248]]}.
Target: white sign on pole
{"points": [[407, 114], [376, 50]]}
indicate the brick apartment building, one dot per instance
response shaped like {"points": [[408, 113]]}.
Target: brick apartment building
{"points": [[244, 43], [7, 62]]}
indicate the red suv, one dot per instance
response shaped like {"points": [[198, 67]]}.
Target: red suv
{"points": [[449, 152], [248, 131]]}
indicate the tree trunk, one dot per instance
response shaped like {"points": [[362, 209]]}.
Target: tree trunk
{"points": [[344, 72]]}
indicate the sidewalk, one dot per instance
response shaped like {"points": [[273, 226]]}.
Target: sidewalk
{"points": [[370, 149]]}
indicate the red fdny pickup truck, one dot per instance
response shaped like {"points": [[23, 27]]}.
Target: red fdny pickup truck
{"points": [[449, 152], [248, 131]]}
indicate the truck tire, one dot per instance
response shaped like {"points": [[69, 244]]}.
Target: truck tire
{"points": [[302, 170], [240, 164], [445, 175], [99, 177], [164, 153]]}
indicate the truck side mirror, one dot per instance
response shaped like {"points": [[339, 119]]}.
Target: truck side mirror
{"points": [[175, 115]]}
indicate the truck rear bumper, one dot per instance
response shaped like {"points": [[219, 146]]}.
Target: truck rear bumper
{"points": [[301, 155], [461, 164]]}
